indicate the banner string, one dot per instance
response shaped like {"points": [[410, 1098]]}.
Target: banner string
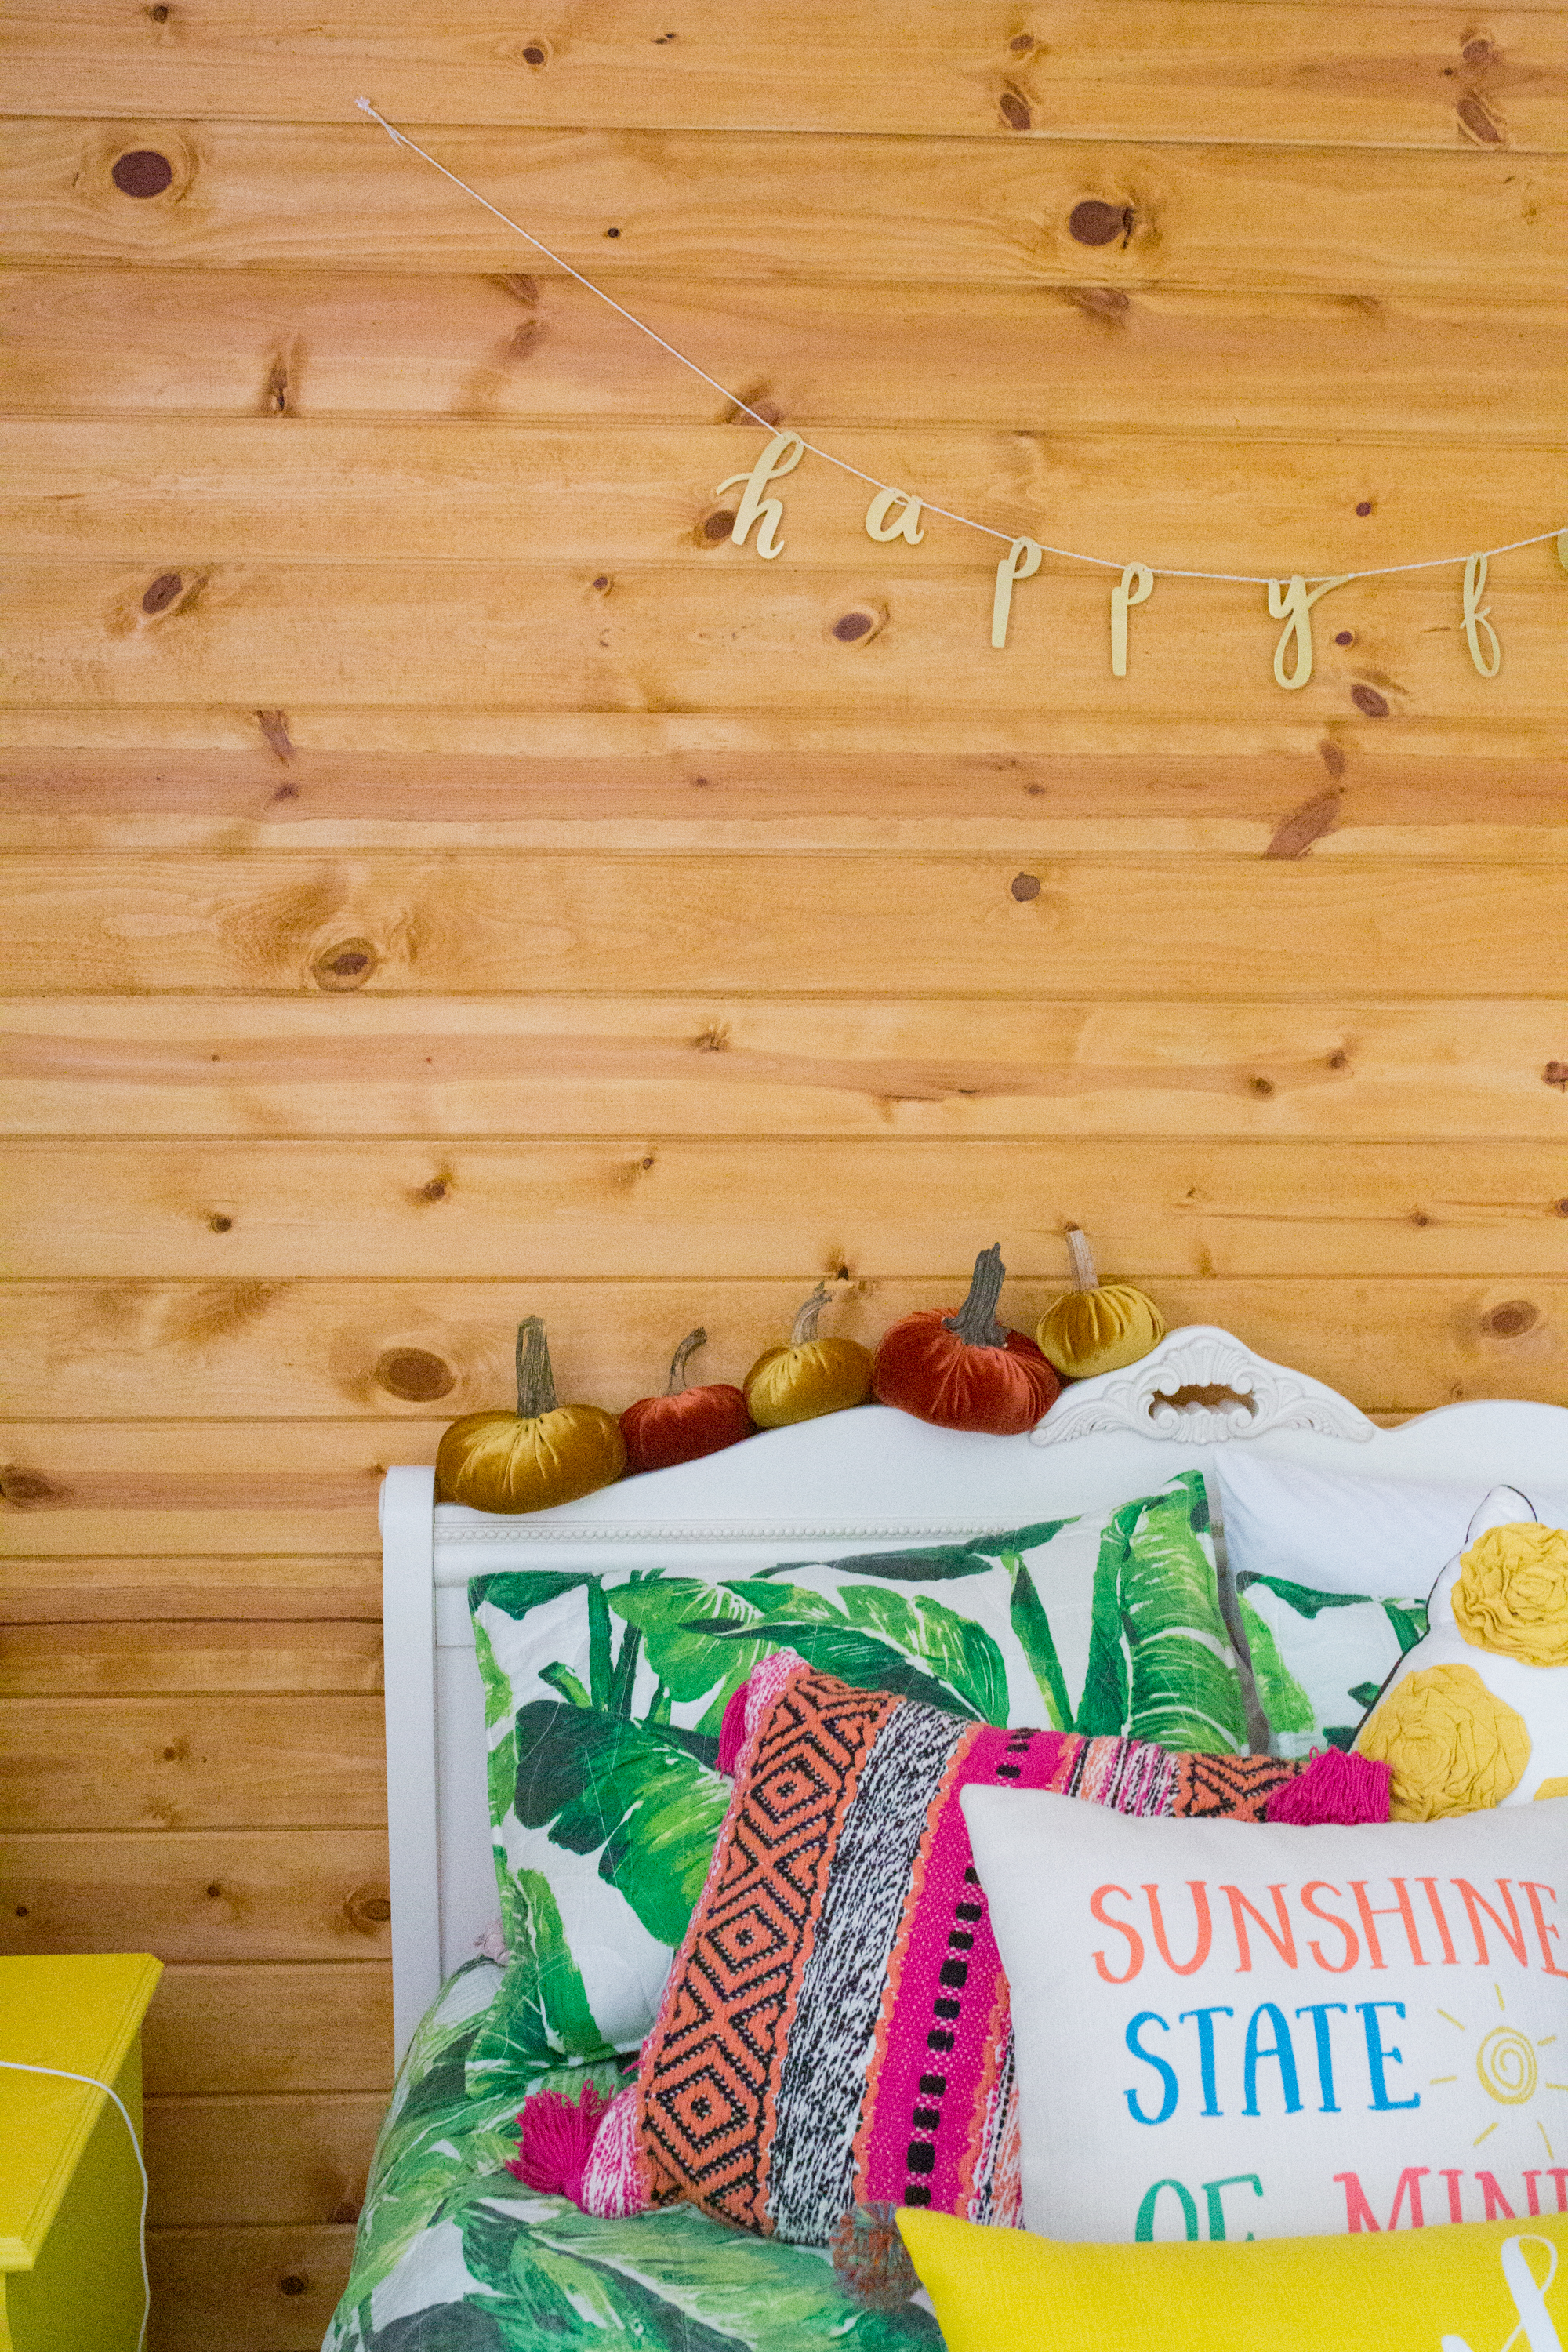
{"points": [[769, 424]]}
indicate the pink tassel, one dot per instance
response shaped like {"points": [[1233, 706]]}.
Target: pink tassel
{"points": [[1336, 1787], [555, 2141], [732, 1732]]}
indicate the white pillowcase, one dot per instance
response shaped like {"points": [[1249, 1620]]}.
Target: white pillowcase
{"points": [[1224, 2030], [1339, 1532]]}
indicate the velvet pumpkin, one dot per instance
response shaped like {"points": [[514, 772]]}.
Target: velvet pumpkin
{"points": [[542, 1454], [1098, 1327], [810, 1376], [684, 1423], [965, 1370]]}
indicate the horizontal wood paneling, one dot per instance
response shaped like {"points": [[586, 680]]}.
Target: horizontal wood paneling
{"points": [[476, 1067], [133, 1660], [289, 343], [665, 636], [191, 1760], [238, 492], [288, 2027], [261, 1212], [274, 2288], [57, 1590], [1388, 75], [198, 1895], [628, 782], [911, 212], [259, 2160], [833, 927]]}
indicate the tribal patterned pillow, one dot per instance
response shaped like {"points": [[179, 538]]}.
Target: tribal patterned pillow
{"points": [[835, 2029], [604, 1694]]}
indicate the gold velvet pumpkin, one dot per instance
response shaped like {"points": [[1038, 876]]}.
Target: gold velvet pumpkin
{"points": [[542, 1454], [810, 1376], [1097, 1328]]}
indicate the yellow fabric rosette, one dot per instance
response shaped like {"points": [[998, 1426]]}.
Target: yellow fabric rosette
{"points": [[1453, 1746], [1512, 1593]]}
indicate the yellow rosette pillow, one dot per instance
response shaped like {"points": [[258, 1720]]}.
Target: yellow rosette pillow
{"points": [[1476, 1713]]}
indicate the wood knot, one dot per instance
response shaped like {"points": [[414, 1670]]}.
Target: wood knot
{"points": [[1473, 118], [161, 592], [1263, 1086], [1332, 758], [1339, 1060], [1094, 222], [293, 2283], [414, 1374], [274, 727], [1363, 507], [714, 1039], [717, 526], [1419, 1217], [1099, 302], [142, 171], [536, 54], [1368, 699], [347, 964], [1344, 636], [159, 14], [26, 1489], [1015, 112], [218, 1224], [1025, 886], [177, 1752], [1555, 1073], [1511, 1319], [1021, 43], [367, 1908], [213, 1890], [1305, 825], [858, 628], [434, 1191], [603, 584], [1560, 1207]]}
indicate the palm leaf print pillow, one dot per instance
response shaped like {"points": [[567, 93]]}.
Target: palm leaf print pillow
{"points": [[604, 1695]]}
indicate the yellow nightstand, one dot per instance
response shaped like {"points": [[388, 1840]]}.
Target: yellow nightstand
{"points": [[70, 2195]]}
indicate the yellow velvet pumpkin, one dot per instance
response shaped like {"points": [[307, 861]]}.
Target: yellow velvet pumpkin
{"points": [[1097, 1328], [542, 1454], [810, 1376]]}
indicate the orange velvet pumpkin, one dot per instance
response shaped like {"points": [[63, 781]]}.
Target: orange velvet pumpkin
{"points": [[965, 1370], [542, 1454], [684, 1423], [811, 1376]]}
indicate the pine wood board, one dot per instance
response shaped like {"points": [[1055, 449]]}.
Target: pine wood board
{"points": [[1164, 70], [268, 2290], [214, 1895], [622, 782], [1345, 1072], [134, 1659], [290, 2026], [377, 1368], [464, 923], [63, 1590], [810, 642], [186, 1760], [259, 2160], [743, 205], [227, 492], [296, 344], [241, 1217]]}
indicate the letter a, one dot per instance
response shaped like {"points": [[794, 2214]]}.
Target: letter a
{"points": [[782, 456], [1021, 562], [909, 523], [1293, 605]]}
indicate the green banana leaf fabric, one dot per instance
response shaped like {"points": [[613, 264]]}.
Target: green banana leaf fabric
{"points": [[1319, 1659], [604, 1696], [454, 2255]]}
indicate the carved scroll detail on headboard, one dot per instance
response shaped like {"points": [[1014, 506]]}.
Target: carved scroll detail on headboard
{"points": [[1144, 1398]]}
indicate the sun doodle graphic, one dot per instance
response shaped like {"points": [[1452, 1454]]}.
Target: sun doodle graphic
{"points": [[1508, 2069]]}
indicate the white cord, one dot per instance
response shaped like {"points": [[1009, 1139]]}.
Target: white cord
{"points": [[64, 2075], [1068, 555]]}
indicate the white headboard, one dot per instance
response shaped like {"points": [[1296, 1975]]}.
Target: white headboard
{"points": [[853, 1482]]}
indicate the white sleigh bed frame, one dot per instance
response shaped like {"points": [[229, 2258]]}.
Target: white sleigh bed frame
{"points": [[855, 1482]]}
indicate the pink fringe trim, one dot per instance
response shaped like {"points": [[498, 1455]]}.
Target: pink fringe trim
{"points": [[555, 2141], [1349, 1790], [732, 1731]]}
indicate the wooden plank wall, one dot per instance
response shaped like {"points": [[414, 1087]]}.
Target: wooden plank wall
{"points": [[444, 877]]}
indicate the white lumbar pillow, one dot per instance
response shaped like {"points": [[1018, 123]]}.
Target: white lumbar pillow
{"points": [[1476, 1713]]}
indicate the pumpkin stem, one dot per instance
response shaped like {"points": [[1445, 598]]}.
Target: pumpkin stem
{"points": [[975, 1321], [678, 1362], [806, 1322], [535, 1381], [1084, 1276]]}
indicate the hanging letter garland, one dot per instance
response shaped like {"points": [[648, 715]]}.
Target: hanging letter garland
{"points": [[1288, 601]]}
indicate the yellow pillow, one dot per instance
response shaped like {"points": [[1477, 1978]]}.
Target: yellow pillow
{"points": [[1471, 2287]]}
